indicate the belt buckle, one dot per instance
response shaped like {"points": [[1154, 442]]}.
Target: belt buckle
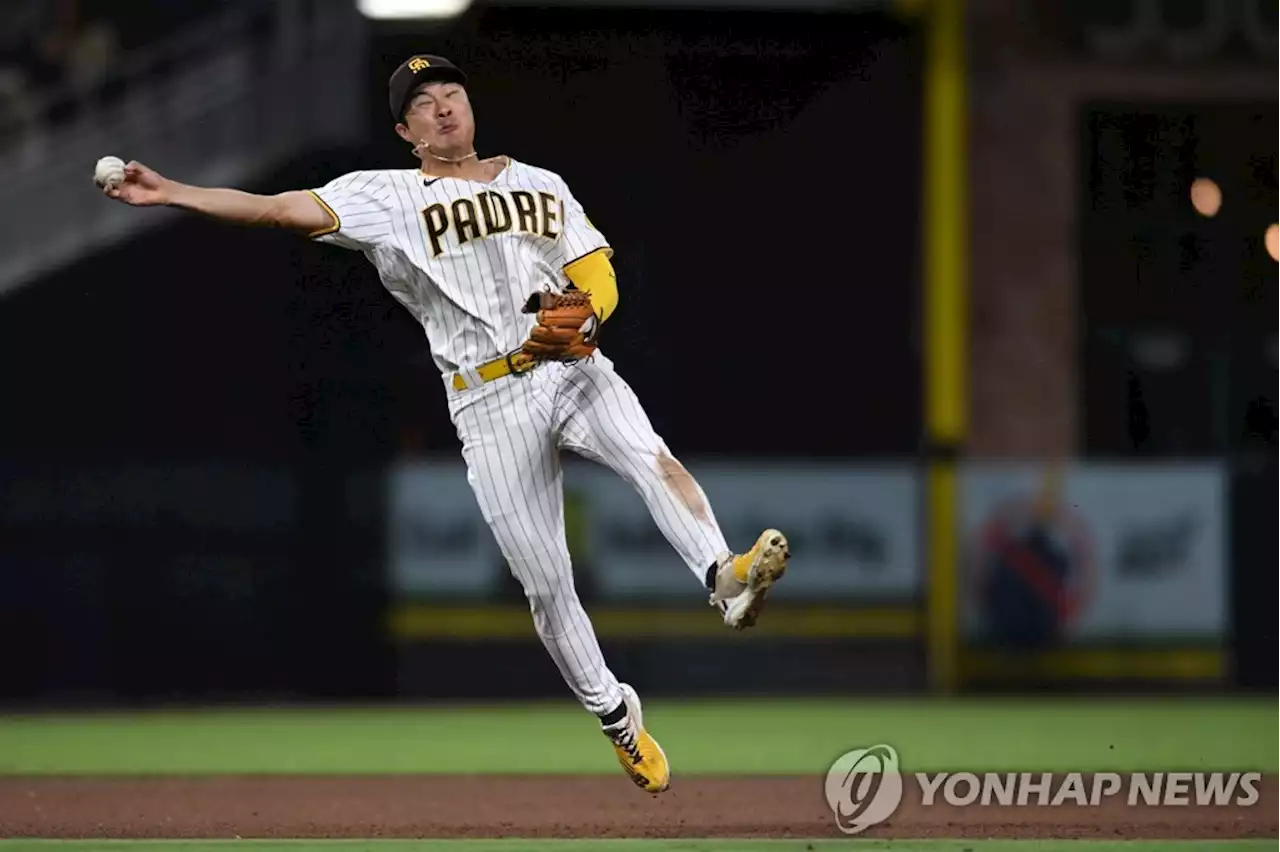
{"points": [[516, 369]]}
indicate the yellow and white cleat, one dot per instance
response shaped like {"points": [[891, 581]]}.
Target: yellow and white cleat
{"points": [[743, 581], [639, 753]]}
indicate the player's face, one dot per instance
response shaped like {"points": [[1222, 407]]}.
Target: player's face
{"points": [[439, 114]]}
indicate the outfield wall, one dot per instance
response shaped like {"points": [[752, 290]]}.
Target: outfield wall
{"points": [[189, 582]]}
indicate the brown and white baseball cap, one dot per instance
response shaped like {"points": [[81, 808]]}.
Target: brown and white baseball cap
{"points": [[416, 70]]}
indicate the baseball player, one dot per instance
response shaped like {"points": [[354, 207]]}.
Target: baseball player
{"points": [[512, 284]]}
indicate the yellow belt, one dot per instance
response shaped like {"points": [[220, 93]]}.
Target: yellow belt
{"points": [[512, 364]]}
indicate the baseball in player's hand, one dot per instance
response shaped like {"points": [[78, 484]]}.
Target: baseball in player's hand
{"points": [[141, 187]]}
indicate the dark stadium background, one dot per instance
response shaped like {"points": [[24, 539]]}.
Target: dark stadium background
{"points": [[760, 175]]}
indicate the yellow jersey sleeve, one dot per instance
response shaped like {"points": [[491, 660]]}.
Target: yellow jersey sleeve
{"points": [[593, 274]]}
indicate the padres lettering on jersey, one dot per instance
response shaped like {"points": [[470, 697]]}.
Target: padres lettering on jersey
{"points": [[490, 213], [463, 256]]}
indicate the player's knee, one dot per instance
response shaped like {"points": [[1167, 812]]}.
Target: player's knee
{"points": [[553, 605], [545, 587], [545, 597], [681, 484]]}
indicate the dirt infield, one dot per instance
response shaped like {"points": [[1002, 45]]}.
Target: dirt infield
{"points": [[556, 806]]}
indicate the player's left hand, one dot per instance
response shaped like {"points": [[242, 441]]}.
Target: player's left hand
{"points": [[567, 326]]}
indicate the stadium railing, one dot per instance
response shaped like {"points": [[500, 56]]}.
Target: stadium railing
{"points": [[217, 103]]}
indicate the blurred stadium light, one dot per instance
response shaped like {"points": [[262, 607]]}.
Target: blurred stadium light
{"points": [[437, 9], [411, 9]]}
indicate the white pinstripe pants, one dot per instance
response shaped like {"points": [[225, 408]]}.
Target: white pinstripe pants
{"points": [[512, 431]]}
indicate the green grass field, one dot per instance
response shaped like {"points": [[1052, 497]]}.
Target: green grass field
{"points": [[804, 737], [1161, 734]]}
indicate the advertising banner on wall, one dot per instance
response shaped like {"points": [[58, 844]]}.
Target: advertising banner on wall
{"points": [[1094, 553], [853, 531]]}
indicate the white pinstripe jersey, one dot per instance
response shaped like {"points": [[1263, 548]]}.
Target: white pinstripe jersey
{"points": [[463, 256]]}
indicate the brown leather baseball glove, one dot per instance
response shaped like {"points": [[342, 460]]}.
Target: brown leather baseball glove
{"points": [[567, 325]]}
